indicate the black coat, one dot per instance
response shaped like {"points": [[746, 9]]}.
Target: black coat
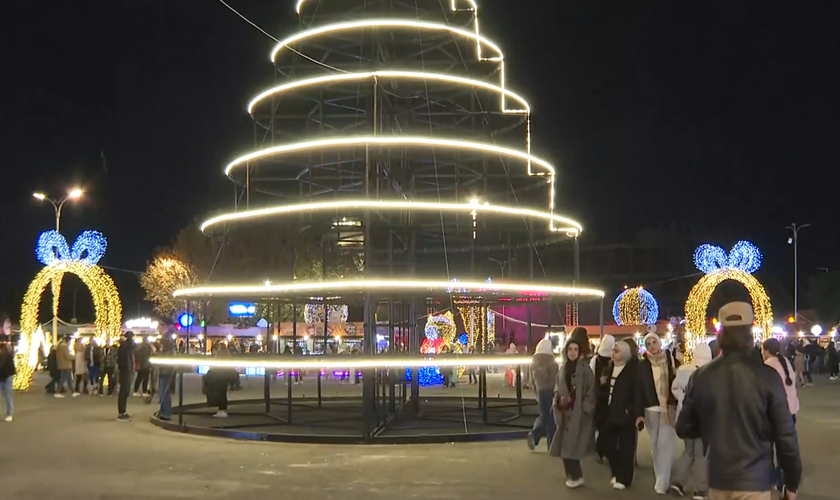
{"points": [[7, 365], [646, 396], [125, 357], [738, 406], [621, 409]]}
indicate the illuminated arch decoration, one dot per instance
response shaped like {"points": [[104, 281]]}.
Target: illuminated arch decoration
{"points": [[743, 260], [635, 306], [81, 259]]}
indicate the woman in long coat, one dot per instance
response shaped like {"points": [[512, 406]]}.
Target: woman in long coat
{"points": [[574, 412]]}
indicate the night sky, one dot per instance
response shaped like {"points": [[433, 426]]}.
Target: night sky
{"points": [[715, 114]]}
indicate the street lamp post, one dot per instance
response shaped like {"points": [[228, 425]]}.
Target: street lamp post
{"points": [[793, 241], [73, 194]]}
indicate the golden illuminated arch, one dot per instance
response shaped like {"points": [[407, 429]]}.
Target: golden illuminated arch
{"points": [[106, 303], [698, 302]]}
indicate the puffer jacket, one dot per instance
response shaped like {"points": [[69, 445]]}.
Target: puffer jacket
{"points": [[702, 356], [544, 370], [738, 407]]}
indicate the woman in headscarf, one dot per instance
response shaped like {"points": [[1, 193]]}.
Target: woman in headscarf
{"points": [[656, 407], [574, 411], [598, 364], [544, 372], [618, 432], [833, 361], [771, 350], [691, 466]]}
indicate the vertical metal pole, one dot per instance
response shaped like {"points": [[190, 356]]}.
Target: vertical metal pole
{"points": [[180, 396], [204, 330], [189, 325], [795, 273], [289, 370], [267, 391], [601, 319], [519, 390]]}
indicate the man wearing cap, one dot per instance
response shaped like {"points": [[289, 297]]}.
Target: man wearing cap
{"points": [[737, 406], [125, 364]]}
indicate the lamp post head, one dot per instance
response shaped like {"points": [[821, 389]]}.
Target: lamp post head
{"points": [[39, 196], [75, 193]]}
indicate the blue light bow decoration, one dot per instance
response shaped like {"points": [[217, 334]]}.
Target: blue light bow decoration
{"points": [[744, 256], [88, 248]]}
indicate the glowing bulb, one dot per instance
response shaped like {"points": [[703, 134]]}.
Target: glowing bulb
{"points": [[76, 193], [816, 330], [259, 338], [200, 336], [174, 336], [40, 196], [230, 337], [274, 337]]}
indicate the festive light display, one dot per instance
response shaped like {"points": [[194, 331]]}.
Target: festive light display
{"points": [[635, 306], [464, 339], [59, 259], [441, 326], [314, 313], [563, 224], [164, 275], [743, 259], [383, 286], [336, 362]]}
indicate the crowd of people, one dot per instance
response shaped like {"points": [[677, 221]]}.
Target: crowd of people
{"points": [[733, 409]]}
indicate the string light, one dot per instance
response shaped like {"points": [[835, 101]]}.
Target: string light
{"points": [[635, 306], [106, 304], [338, 362], [440, 326], [383, 286], [314, 313], [698, 302], [743, 256]]}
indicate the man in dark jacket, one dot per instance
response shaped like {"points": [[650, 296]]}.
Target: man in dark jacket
{"points": [[738, 407], [125, 363], [143, 353]]}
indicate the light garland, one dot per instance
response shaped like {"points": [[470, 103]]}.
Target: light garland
{"points": [[339, 362], [53, 251], [440, 326], [382, 286], [565, 224], [635, 306], [743, 259]]}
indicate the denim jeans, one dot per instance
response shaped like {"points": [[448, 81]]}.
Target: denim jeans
{"points": [[165, 395], [544, 426], [8, 395], [65, 380]]}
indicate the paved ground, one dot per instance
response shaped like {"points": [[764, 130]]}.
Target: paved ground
{"points": [[73, 449]]}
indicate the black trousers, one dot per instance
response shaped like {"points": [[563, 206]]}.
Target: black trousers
{"points": [[125, 391], [573, 469], [109, 373], [600, 443], [79, 384], [142, 377], [620, 443]]}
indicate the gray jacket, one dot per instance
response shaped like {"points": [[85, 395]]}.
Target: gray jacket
{"points": [[544, 371], [575, 427]]}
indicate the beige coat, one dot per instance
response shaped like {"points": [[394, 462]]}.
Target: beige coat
{"points": [[63, 358]]}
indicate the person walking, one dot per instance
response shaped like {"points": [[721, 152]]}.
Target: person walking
{"points": [[771, 351], [617, 432], [656, 408], [574, 411], [52, 368], [599, 364], [217, 380], [143, 358], [64, 363], [832, 361], [125, 365], [7, 367], [80, 366], [544, 371], [740, 410], [109, 369], [690, 469], [167, 380], [799, 365]]}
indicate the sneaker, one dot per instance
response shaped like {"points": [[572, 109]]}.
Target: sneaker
{"points": [[612, 482], [136, 395], [77, 394], [618, 486], [700, 495], [574, 483], [660, 492], [678, 489], [58, 395], [125, 417], [164, 418], [532, 444], [221, 414], [8, 418]]}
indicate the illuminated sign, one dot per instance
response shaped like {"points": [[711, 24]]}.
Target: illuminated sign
{"points": [[242, 309]]}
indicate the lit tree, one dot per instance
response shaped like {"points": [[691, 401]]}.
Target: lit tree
{"points": [[165, 274]]}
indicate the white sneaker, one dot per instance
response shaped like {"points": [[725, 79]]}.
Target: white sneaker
{"points": [[660, 491], [58, 395], [136, 395], [618, 486], [221, 414], [77, 394], [8, 419], [612, 482], [576, 483]]}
